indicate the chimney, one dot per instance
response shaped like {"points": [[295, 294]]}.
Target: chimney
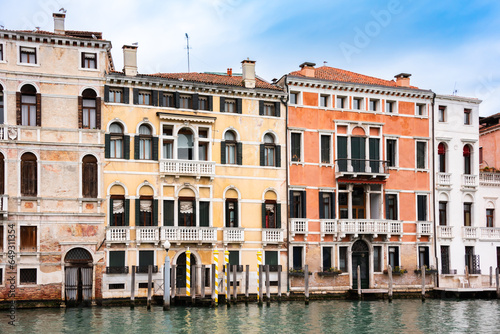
{"points": [[248, 67], [59, 23], [307, 69], [130, 60], [229, 72], [403, 79]]}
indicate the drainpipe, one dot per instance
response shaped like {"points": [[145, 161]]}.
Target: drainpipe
{"points": [[433, 135], [285, 102]]}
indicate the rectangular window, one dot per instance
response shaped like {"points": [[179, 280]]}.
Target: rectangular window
{"points": [[390, 107], [467, 214], [357, 103], [1, 56], [344, 212], [185, 102], [89, 60], [391, 152], [231, 212], [374, 103], [340, 102], [89, 112], [1, 243], [115, 95], [271, 258], [145, 211], [422, 207], [394, 256], [445, 260], [421, 109], [480, 149], [230, 106], [327, 258], [28, 239], [294, 98], [467, 116], [296, 146], [234, 258], [145, 98], [323, 101], [392, 206], [168, 147], [28, 55], [325, 149], [489, 217], [27, 276], [230, 152], [421, 154], [28, 110], [202, 151], [326, 205], [297, 209], [343, 259], [117, 259], [423, 257], [442, 114], [377, 258], [146, 258], [269, 109], [118, 214], [168, 100], [443, 208], [203, 103], [187, 210], [297, 257]]}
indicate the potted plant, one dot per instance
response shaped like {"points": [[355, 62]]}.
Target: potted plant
{"points": [[428, 271], [330, 272], [397, 270], [297, 272]]}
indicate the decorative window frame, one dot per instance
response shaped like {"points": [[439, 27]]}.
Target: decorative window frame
{"points": [[28, 45]]}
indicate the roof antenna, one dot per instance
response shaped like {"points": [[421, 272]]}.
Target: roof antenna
{"points": [[455, 90], [187, 41], [324, 62]]}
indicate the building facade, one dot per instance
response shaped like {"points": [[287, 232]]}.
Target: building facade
{"points": [[359, 177], [51, 155]]}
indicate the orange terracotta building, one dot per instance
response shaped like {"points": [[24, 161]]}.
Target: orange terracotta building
{"points": [[359, 176]]}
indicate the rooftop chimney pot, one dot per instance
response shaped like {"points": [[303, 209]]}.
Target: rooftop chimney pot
{"points": [[307, 69], [59, 23], [403, 79], [130, 60], [230, 72], [248, 67]]}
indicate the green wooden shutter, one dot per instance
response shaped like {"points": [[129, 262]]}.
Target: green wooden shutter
{"points": [[106, 93], [222, 104], [160, 99], [155, 148], [117, 258], [210, 103], [374, 154], [136, 147], [333, 206], [126, 147], [387, 215], [107, 144], [291, 204], [239, 153], [278, 155], [264, 215], [136, 96], [238, 106], [195, 102], [126, 94], [194, 212], [155, 212], [226, 211], [236, 217], [234, 258], [396, 207], [422, 207], [223, 152], [342, 153], [271, 258], [358, 153], [204, 214], [168, 213], [154, 97], [146, 258], [262, 155], [127, 212], [177, 99], [110, 212], [304, 204], [321, 209], [278, 215], [261, 108], [277, 108], [137, 212]]}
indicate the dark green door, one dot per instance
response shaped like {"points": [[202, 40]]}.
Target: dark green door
{"points": [[358, 154], [360, 255]]}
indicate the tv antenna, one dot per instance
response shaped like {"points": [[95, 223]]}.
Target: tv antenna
{"points": [[455, 90], [187, 41]]}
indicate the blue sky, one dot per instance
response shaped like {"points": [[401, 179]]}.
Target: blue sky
{"points": [[444, 44]]}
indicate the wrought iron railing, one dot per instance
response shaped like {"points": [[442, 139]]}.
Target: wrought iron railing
{"points": [[144, 269], [117, 270], [361, 166]]}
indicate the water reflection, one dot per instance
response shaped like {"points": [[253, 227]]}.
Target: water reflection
{"points": [[433, 316]]}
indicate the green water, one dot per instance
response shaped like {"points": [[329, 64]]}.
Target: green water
{"points": [[401, 316]]}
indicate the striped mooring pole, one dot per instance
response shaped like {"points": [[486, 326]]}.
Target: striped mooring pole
{"points": [[216, 261], [188, 272], [226, 261], [259, 262]]}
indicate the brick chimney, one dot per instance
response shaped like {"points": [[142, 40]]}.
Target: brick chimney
{"points": [[403, 79], [307, 69], [229, 72], [248, 67], [130, 60], [59, 23]]}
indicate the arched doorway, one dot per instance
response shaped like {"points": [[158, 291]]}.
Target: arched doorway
{"points": [[360, 255], [181, 269], [78, 277]]}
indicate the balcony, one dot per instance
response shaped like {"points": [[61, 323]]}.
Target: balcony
{"points": [[145, 269], [272, 236], [490, 233], [470, 232], [443, 179], [369, 226], [489, 179], [117, 234], [298, 226], [469, 181], [181, 234], [117, 270], [4, 204], [445, 232], [328, 226], [149, 234], [187, 168], [361, 168], [424, 228], [9, 132], [233, 235]]}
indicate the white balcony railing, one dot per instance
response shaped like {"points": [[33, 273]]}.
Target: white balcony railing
{"points": [[9, 132], [233, 234], [299, 225], [443, 179], [118, 234], [369, 226], [490, 233], [188, 167], [489, 179], [470, 232], [328, 226], [469, 181], [445, 232], [424, 228], [147, 234], [272, 236], [4, 203], [181, 234]]}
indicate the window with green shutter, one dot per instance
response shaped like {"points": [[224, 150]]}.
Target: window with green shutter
{"points": [[116, 258], [271, 258], [204, 214]]}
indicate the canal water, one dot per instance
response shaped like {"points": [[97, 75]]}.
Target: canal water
{"points": [[401, 316]]}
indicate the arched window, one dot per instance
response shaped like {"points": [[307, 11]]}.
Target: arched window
{"points": [[143, 149], [144, 211], [28, 175], [1, 105], [270, 152], [116, 141], [467, 159], [232, 217], [185, 145], [442, 157], [119, 207], [89, 176], [271, 211], [28, 106], [89, 110], [230, 149]]}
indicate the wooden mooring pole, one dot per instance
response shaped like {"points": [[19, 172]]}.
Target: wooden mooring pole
{"points": [[247, 281], [389, 271], [498, 281], [268, 286], [359, 282], [228, 283], [279, 283], [193, 284], [150, 280], [422, 271], [260, 284], [132, 288], [212, 284], [235, 285], [491, 276], [203, 280], [306, 284]]}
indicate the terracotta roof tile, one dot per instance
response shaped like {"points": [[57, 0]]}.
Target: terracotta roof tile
{"points": [[335, 74]]}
